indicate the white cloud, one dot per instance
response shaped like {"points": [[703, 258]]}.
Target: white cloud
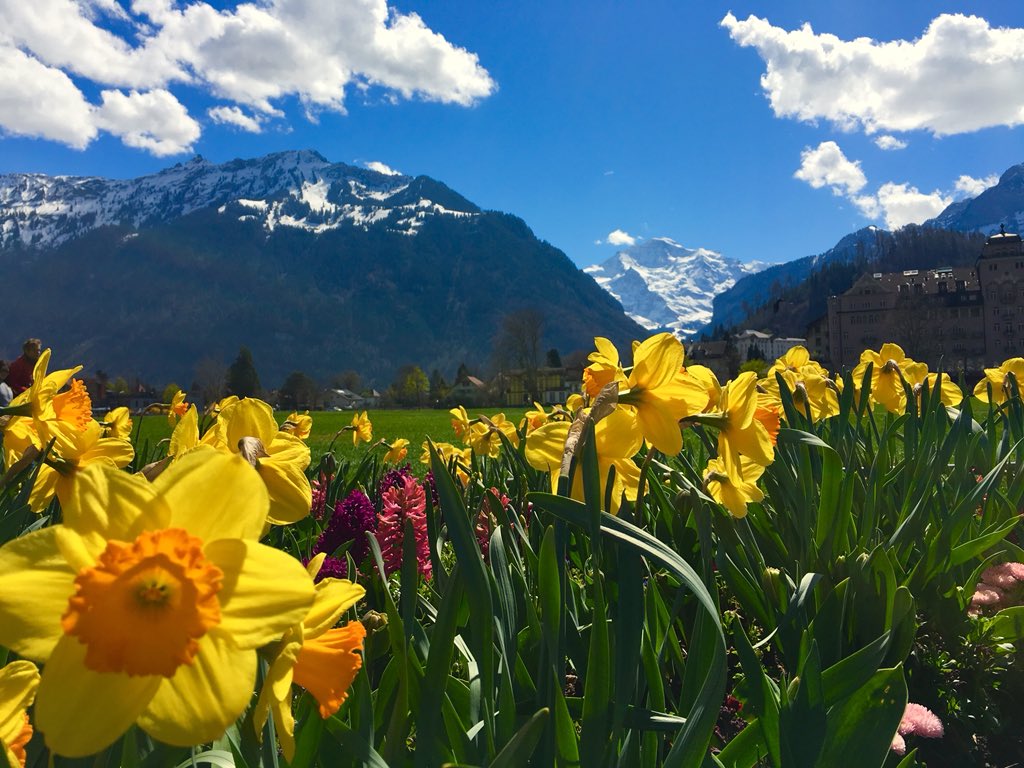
{"points": [[826, 165], [902, 204], [40, 101], [896, 204], [619, 237], [379, 167], [890, 143], [961, 75], [155, 121], [236, 117], [968, 186], [252, 55]]}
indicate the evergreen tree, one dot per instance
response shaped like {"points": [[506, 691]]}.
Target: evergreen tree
{"points": [[553, 359], [298, 391], [242, 379]]}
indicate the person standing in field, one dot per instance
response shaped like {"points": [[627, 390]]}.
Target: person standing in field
{"points": [[19, 377], [6, 395]]}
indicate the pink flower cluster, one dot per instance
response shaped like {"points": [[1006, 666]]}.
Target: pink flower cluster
{"points": [[1001, 586], [319, 487], [917, 721], [405, 501], [486, 520]]}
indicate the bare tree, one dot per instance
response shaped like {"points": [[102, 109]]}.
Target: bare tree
{"points": [[518, 345], [209, 378]]}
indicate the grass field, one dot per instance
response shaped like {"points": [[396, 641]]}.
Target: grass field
{"points": [[414, 425]]}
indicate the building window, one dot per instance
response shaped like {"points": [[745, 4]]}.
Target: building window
{"points": [[943, 287]]}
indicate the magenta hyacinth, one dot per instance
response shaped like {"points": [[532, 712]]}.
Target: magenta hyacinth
{"points": [[353, 516], [407, 501]]}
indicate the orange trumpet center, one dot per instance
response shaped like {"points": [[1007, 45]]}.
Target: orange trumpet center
{"points": [[142, 608]]}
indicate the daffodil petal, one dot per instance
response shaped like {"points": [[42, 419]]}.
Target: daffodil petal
{"points": [[288, 487], [108, 504], [659, 427], [18, 683], [203, 698], [247, 418], [80, 711], [233, 502], [333, 597], [546, 444], [265, 591], [35, 585], [656, 361]]}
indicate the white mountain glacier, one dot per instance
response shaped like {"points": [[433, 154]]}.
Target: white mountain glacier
{"points": [[299, 189], [662, 284]]}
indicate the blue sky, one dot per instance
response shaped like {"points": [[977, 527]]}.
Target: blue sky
{"points": [[582, 118]]}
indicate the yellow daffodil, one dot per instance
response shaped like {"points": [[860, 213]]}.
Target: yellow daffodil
{"points": [[742, 430], [118, 423], [298, 424], [177, 408], [460, 421], [449, 454], [397, 451], [317, 656], [247, 427], [998, 378], [483, 436], [917, 376], [39, 397], [535, 418], [362, 428], [887, 367], [18, 683], [734, 491], [604, 367], [813, 395], [148, 603], [797, 359], [617, 440], [71, 452], [660, 393], [573, 403]]}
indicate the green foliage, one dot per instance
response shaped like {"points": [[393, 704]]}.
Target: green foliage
{"points": [[298, 391], [169, 392], [242, 379]]}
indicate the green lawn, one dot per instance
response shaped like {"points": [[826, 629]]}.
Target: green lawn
{"points": [[413, 425]]}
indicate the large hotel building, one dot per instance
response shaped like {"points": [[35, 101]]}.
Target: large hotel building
{"points": [[961, 319]]}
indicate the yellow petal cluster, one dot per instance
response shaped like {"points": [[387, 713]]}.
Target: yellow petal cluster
{"points": [[19, 681], [247, 427], [999, 380]]}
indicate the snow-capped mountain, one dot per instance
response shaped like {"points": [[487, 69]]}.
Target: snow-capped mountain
{"points": [[1001, 205], [297, 189], [662, 284]]}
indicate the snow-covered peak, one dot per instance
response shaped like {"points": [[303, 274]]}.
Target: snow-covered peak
{"points": [[662, 284], [300, 189]]}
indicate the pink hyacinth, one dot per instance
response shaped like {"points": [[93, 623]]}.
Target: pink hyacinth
{"points": [[1001, 586], [917, 721], [319, 488], [485, 521], [406, 501]]}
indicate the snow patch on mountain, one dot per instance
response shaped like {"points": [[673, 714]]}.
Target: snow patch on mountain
{"points": [[299, 189], [662, 284]]}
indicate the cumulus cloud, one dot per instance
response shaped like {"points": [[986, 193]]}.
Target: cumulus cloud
{"points": [[41, 101], [968, 186], [155, 121], [826, 165], [890, 143], [961, 75], [236, 117], [379, 167], [619, 237], [896, 204], [251, 55], [903, 204]]}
